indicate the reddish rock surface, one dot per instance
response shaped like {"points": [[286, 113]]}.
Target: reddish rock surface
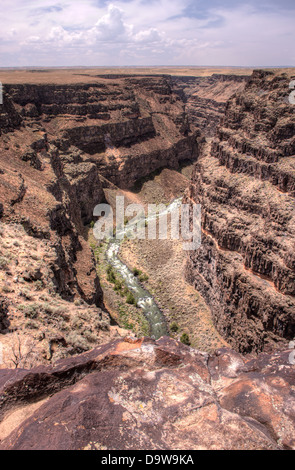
{"points": [[244, 181], [61, 146], [206, 98], [141, 394], [58, 141]]}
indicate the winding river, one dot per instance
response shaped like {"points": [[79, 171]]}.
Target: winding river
{"points": [[144, 299]]}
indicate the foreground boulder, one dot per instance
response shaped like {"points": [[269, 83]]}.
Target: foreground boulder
{"points": [[142, 394]]}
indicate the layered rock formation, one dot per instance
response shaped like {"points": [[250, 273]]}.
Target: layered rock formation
{"points": [[206, 98], [141, 394], [60, 146], [245, 183], [128, 127]]}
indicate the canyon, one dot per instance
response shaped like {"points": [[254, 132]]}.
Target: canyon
{"points": [[62, 148], [69, 339], [244, 181], [206, 98]]}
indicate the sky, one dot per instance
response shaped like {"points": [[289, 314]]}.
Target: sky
{"points": [[147, 32]]}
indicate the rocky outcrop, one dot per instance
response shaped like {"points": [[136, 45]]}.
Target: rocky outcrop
{"points": [[59, 141], [142, 394], [206, 98], [244, 181], [9, 118], [61, 145], [127, 127]]}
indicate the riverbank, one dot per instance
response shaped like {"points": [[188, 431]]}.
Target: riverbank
{"points": [[162, 261], [124, 314]]}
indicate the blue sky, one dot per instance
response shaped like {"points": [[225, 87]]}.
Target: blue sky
{"points": [[147, 32]]}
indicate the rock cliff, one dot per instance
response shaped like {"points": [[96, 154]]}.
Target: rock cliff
{"points": [[127, 127], [60, 146], [206, 98], [141, 394], [244, 180]]}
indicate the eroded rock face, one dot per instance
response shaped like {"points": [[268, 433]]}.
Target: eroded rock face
{"points": [[59, 142], [9, 117], [206, 98], [60, 147], [244, 181], [127, 127], [141, 394]]}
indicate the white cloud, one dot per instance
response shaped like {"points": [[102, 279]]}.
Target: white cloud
{"points": [[150, 35], [137, 32], [111, 25]]}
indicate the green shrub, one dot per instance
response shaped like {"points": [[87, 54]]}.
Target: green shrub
{"points": [[7, 289], [111, 276], [136, 272], [31, 325], [91, 337], [125, 291], [56, 311], [44, 297], [26, 294], [77, 322], [174, 327], [78, 342], [185, 339], [39, 285], [130, 299], [30, 311], [143, 278], [118, 285]]}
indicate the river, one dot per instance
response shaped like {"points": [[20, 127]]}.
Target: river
{"points": [[144, 300]]}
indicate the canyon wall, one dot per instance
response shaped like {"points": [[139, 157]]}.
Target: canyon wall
{"points": [[61, 145], [244, 180], [58, 141], [128, 127], [206, 98]]}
